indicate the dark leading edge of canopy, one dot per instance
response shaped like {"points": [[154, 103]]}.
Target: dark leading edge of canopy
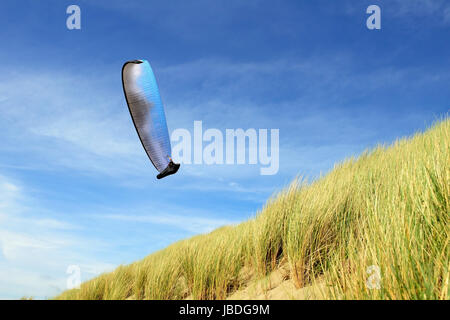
{"points": [[172, 167]]}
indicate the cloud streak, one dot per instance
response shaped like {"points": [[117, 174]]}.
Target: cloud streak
{"points": [[35, 251], [188, 223]]}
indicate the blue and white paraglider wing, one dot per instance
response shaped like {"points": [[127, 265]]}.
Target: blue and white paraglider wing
{"points": [[147, 111]]}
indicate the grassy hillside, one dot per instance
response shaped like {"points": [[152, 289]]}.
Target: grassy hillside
{"points": [[389, 208]]}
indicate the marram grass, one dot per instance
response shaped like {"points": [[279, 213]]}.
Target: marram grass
{"points": [[383, 215]]}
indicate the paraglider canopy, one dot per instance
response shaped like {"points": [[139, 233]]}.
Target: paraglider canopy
{"points": [[147, 112]]}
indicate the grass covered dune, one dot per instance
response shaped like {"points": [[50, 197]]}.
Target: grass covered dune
{"points": [[388, 208]]}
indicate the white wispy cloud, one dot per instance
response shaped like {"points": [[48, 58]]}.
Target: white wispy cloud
{"points": [[82, 123], [191, 224], [9, 194], [85, 128], [418, 7], [447, 15], [35, 251]]}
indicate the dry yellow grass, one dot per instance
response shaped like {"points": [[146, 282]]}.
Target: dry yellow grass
{"points": [[389, 209]]}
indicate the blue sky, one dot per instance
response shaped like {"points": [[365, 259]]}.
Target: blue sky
{"points": [[77, 189]]}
